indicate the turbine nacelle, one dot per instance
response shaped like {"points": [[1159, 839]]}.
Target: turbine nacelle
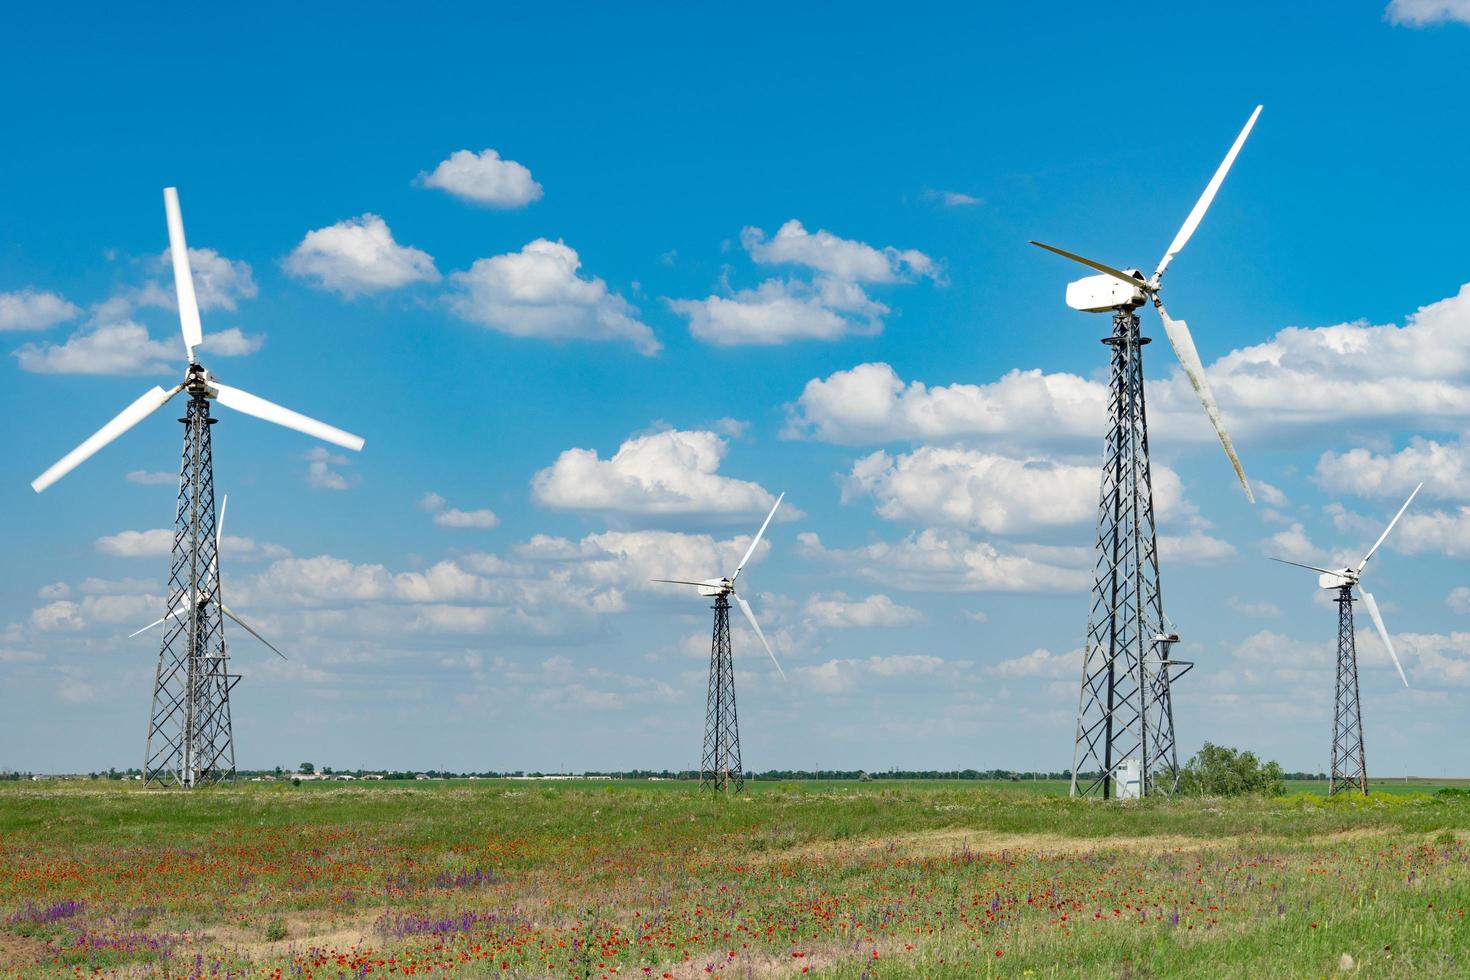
{"points": [[716, 586], [198, 382], [1348, 578], [1104, 294], [724, 587], [1119, 289]]}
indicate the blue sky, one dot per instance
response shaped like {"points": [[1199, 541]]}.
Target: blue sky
{"points": [[709, 260]]}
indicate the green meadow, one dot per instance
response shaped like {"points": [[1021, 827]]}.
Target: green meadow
{"points": [[638, 879]]}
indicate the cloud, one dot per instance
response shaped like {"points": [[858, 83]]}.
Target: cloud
{"points": [[1418, 373], [1422, 13], [1268, 494], [829, 304], [446, 516], [549, 587], [1194, 548], [61, 616], [156, 543], [838, 611], [536, 292], [359, 256], [219, 282], [149, 478], [982, 491], [935, 560], [870, 403], [1459, 599], [665, 473], [840, 258], [319, 472], [1437, 658], [484, 178], [231, 343], [31, 309], [1042, 663], [953, 199], [125, 348], [113, 348], [780, 311], [159, 543], [838, 676], [1445, 532], [1444, 470], [1253, 610]]}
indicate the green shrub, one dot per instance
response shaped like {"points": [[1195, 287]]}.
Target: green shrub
{"points": [[1220, 771]]}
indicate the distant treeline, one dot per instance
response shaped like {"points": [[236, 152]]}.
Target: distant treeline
{"points": [[773, 775]]}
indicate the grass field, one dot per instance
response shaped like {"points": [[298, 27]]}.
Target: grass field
{"points": [[528, 879]]}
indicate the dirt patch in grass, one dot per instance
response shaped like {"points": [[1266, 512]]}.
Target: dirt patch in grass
{"points": [[306, 930], [17, 952], [979, 842]]}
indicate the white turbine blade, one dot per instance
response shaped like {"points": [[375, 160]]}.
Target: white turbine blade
{"points": [[176, 612], [148, 403], [1194, 369], [679, 581], [247, 628], [1107, 269], [1372, 605], [757, 539], [750, 617], [1389, 528], [219, 533], [1203, 204], [183, 278], [1324, 571], [244, 401]]}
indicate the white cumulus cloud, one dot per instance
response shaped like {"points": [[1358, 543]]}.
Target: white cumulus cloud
{"points": [[30, 309], [839, 611], [484, 178], [830, 302], [219, 282], [446, 516], [670, 472], [937, 560], [321, 472], [112, 348], [1422, 13], [1443, 468], [359, 256], [841, 258], [537, 292]]}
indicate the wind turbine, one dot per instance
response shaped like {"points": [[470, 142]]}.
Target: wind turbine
{"points": [[1348, 765], [178, 612], [190, 738], [1125, 715], [720, 763]]}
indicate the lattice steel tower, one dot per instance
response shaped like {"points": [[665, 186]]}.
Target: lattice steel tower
{"points": [[1349, 768], [719, 760], [190, 741], [1125, 711], [719, 765]]}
